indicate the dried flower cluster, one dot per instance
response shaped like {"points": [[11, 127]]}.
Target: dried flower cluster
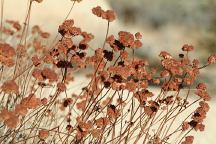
{"points": [[7, 54], [115, 105], [108, 15]]}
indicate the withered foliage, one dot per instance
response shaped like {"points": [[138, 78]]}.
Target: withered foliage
{"points": [[116, 104]]}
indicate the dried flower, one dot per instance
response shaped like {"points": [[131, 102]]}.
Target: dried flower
{"points": [[31, 102], [112, 112], [203, 94], [188, 140], [68, 30], [212, 59], [126, 38], [10, 119], [5, 114], [21, 109], [185, 126], [102, 122], [108, 55], [202, 86], [6, 54], [36, 61], [44, 101], [69, 128], [109, 15], [138, 35], [81, 105], [97, 11], [49, 74], [12, 122], [117, 95], [10, 87], [165, 55], [61, 86], [96, 133], [36, 73], [137, 44], [187, 47], [110, 39], [43, 134]]}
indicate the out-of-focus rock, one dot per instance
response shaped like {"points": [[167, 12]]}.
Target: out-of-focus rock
{"points": [[167, 24]]}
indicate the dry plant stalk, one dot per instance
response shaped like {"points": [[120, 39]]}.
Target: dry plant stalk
{"points": [[116, 105]]}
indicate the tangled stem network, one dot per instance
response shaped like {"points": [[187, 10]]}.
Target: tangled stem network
{"points": [[117, 103]]}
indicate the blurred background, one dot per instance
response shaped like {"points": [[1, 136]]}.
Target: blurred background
{"points": [[173, 21], [168, 24]]}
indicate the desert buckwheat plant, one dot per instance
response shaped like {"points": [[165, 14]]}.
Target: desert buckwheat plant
{"points": [[38, 103]]}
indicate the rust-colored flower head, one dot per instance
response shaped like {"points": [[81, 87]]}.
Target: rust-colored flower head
{"points": [[102, 122], [112, 112], [36, 73], [12, 122], [21, 110], [96, 133], [202, 86], [165, 55], [202, 92], [61, 86], [109, 15], [131, 86], [49, 74], [9, 117], [138, 35], [7, 54], [68, 30], [97, 11], [31, 102], [212, 59], [187, 48], [10, 87], [81, 105], [137, 44], [126, 38], [185, 126], [5, 114], [188, 140], [43, 134], [110, 39], [36, 61], [44, 101]]}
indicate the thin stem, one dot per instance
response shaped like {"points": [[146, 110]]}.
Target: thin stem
{"points": [[67, 16], [23, 35], [108, 26]]}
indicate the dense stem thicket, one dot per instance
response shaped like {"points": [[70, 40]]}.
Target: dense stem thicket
{"points": [[117, 104]]}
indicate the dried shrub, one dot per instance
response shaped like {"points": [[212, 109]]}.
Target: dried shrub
{"points": [[116, 104]]}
